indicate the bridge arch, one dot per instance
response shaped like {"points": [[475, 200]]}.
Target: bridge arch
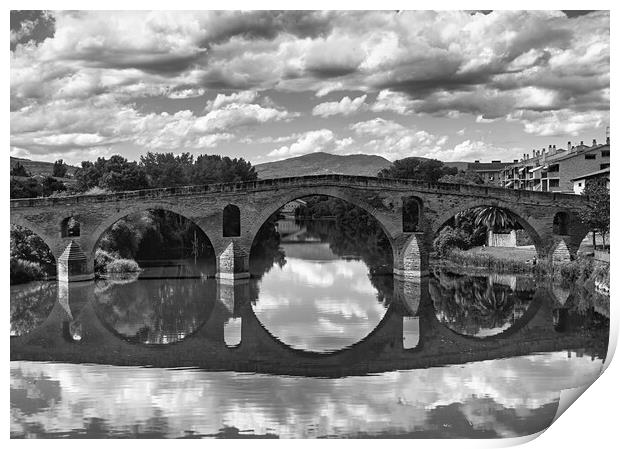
{"points": [[97, 233], [515, 213], [389, 227]]}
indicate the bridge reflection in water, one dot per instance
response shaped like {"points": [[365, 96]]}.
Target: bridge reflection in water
{"points": [[429, 368], [81, 329]]}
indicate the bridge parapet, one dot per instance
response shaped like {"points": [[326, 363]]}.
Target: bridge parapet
{"points": [[303, 181]]}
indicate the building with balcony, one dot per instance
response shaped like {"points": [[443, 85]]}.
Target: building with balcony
{"points": [[555, 169]]}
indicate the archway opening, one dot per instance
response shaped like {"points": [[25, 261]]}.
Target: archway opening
{"points": [[70, 227], [31, 258], [158, 243], [560, 223], [412, 212], [231, 221], [489, 236], [325, 273]]}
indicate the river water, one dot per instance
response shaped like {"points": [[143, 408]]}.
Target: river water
{"points": [[321, 342]]}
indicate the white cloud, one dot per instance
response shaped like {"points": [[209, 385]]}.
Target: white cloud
{"points": [[309, 142], [234, 115], [560, 123], [244, 97], [393, 101], [329, 87], [186, 93], [539, 68], [470, 150], [395, 141], [346, 106]]}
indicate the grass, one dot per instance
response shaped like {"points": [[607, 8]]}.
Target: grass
{"points": [[521, 253], [518, 260]]}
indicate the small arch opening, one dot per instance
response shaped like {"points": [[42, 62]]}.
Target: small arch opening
{"points": [[412, 208], [70, 227], [231, 221], [232, 332], [560, 223], [411, 332]]}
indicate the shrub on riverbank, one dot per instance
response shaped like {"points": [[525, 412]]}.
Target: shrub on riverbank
{"points": [[111, 262], [23, 271], [122, 266]]}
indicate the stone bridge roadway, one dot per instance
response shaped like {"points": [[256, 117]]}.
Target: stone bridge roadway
{"points": [[252, 203], [382, 350]]}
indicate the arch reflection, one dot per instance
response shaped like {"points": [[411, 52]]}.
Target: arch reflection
{"points": [[154, 311], [479, 306]]}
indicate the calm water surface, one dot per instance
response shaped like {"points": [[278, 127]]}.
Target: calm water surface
{"points": [[320, 342]]}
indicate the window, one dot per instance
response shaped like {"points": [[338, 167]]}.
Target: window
{"points": [[605, 153], [231, 222], [560, 223], [411, 214], [70, 227], [603, 166], [590, 156], [579, 184], [554, 168], [554, 183]]}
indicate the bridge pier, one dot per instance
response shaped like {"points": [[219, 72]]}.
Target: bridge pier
{"points": [[233, 261], [73, 265], [410, 255], [409, 292], [233, 293]]}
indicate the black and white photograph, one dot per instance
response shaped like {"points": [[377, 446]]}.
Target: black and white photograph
{"points": [[304, 224]]}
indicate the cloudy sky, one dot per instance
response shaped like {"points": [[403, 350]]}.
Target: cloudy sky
{"points": [[269, 85]]}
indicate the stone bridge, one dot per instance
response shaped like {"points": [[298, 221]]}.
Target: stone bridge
{"points": [[410, 212], [538, 330]]}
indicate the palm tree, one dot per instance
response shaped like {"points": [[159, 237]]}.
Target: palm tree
{"points": [[492, 217]]}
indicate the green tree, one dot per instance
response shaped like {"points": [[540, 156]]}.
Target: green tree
{"points": [[32, 187], [27, 246], [19, 170], [166, 169], [115, 174], [595, 213], [463, 177], [213, 168], [492, 217], [60, 169], [417, 168]]}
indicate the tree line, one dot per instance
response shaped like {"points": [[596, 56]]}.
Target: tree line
{"points": [[117, 174]]}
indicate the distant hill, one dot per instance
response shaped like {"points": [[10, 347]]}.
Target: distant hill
{"points": [[323, 163], [39, 167]]}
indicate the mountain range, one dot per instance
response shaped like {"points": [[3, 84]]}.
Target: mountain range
{"points": [[323, 163]]}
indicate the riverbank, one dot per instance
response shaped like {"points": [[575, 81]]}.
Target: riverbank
{"points": [[581, 270]]}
